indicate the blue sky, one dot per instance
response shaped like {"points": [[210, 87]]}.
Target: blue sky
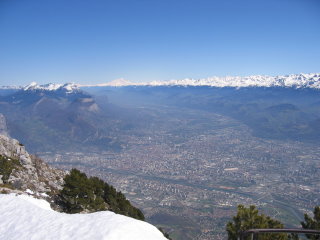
{"points": [[96, 41]]}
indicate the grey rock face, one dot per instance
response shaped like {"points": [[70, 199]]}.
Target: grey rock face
{"points": [[3, 125], [33, 174]]}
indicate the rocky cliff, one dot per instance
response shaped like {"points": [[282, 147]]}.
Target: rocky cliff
{"points": [[3, 125], [20, 170]]}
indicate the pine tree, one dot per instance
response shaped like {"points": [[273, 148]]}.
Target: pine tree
{"points": [[249, 218], [81, 193], [76, 192], [312, 223]]}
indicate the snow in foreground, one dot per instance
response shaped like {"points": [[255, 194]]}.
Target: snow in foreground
{"points": [[24, 217]]}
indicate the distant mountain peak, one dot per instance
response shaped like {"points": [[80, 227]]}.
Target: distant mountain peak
{"points": [[70, 87], [67, 87], [48, 87], [120, 82]]}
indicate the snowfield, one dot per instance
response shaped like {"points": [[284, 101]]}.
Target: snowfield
{"points": [[26, 218]]}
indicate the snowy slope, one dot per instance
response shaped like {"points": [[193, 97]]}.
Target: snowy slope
{"points": [[24, 217]]}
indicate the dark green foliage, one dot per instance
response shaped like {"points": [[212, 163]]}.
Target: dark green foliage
{"points": [[312, 223], [6, 167], [81, 193], [249, 218], [119, 204], [293, 236], [78, 193]]}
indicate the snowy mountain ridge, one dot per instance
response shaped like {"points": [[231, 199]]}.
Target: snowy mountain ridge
{"points": [[311, 80], [302, 80], [294, 80], [67, 87]]}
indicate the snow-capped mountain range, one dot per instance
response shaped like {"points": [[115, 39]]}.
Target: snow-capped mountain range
{"points": [[302, 80], [311, 80]]}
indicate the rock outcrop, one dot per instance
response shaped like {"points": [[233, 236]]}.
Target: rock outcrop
{"points": [[3, 125], [27, 171]]}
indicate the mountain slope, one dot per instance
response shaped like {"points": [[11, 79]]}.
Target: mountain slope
{"points": [[3, 125], [31, 217], [71, 192], [23, 171], [50, 116]]}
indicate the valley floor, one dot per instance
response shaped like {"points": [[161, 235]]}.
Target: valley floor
{"points": [[190, 170]]}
